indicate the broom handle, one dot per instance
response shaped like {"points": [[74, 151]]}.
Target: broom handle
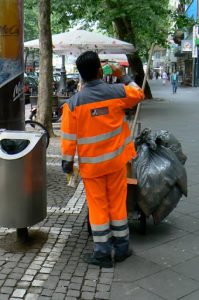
{"points": [[133, 126]]}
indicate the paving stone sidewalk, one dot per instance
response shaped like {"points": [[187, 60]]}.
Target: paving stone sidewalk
{"points": [[49, 265], [166, 260], [165, 263]]}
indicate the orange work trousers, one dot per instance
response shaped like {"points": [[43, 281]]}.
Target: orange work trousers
{"points": [[106, 197]]}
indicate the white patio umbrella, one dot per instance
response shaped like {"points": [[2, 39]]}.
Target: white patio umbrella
{"points": [[118, 58], [113, 57], [75, 42]]}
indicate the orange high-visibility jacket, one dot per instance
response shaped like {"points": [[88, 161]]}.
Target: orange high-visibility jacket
{"points": [[94, 124]]}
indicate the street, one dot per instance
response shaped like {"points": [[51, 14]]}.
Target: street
{"points": [[166, 261]]}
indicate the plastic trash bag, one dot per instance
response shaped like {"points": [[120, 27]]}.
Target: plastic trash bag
{"points": [[168, 204], [156, 174], [12, 146], [161, 176], [168, 140], [180, 171], [146, 137]]}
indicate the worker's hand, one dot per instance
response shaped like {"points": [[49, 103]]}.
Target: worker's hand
{"points": [[67, 166], [117, 70]]}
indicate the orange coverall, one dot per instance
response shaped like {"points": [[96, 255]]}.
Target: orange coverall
{"points": [[94, 125]]}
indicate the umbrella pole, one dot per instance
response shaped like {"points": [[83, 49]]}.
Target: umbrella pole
{"points": [[62, 89]]}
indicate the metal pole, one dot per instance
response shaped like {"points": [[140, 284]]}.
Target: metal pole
{"points": [[197, 67], [193, 72], [197, 70], [197, 11], [12, 108], [62, 89]]}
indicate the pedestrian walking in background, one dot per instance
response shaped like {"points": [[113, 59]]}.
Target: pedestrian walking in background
{"points": [[156, 75], [93, 122], [164, 78], [174, 81]]}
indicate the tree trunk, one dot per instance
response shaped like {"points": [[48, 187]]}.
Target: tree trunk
{"points": [[136, 67], [125, 33], [44, 107]]}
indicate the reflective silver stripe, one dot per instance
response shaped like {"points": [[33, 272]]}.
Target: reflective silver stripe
{"points": [[102, 239], [100, 227], [132, 83], [68, 157], [104, 157], [120, 233], [100, 137], [119, 222], [68, 136]]}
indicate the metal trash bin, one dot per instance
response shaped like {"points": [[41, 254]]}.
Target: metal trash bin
{"points": [[23, 178]]}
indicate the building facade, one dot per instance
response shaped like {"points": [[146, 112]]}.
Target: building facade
{"points": [[187, 52], [183, 51]]}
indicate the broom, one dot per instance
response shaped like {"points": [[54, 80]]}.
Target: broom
{"points": [[133, 122]]}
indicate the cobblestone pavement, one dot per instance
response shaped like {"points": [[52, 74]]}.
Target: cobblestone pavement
{"points": [[49, 265], [165, 261]]}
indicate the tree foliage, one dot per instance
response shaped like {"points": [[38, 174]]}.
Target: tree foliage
{"points": [[147, 20], [180, 20], [30, 20], [138, 22]]}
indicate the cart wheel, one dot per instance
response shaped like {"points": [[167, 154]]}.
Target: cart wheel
{"points": [[142, 220]]}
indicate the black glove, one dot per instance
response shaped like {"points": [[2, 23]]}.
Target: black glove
{"points": [[67, 166]]}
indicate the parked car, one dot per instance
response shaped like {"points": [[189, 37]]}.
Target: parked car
{"points": [[71, 80], [56, 80], [74, 76]]}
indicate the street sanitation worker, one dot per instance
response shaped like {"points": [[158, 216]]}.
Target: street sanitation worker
{"points": [[93, 123]]}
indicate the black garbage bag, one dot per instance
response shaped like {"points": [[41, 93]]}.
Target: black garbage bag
{"points": [[168, 140], [155, 174], [146, 137], [158, 170], [178, 167], [167, 205], [13, 146]]}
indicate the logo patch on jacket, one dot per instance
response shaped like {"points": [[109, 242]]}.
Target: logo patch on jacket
{"points": [[95, 112]]}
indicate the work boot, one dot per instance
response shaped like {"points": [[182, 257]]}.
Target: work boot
{"points": [[119, 258], [104, 262]]}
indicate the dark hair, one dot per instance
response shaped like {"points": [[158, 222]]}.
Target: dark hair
{"points": [[88, 65]]}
